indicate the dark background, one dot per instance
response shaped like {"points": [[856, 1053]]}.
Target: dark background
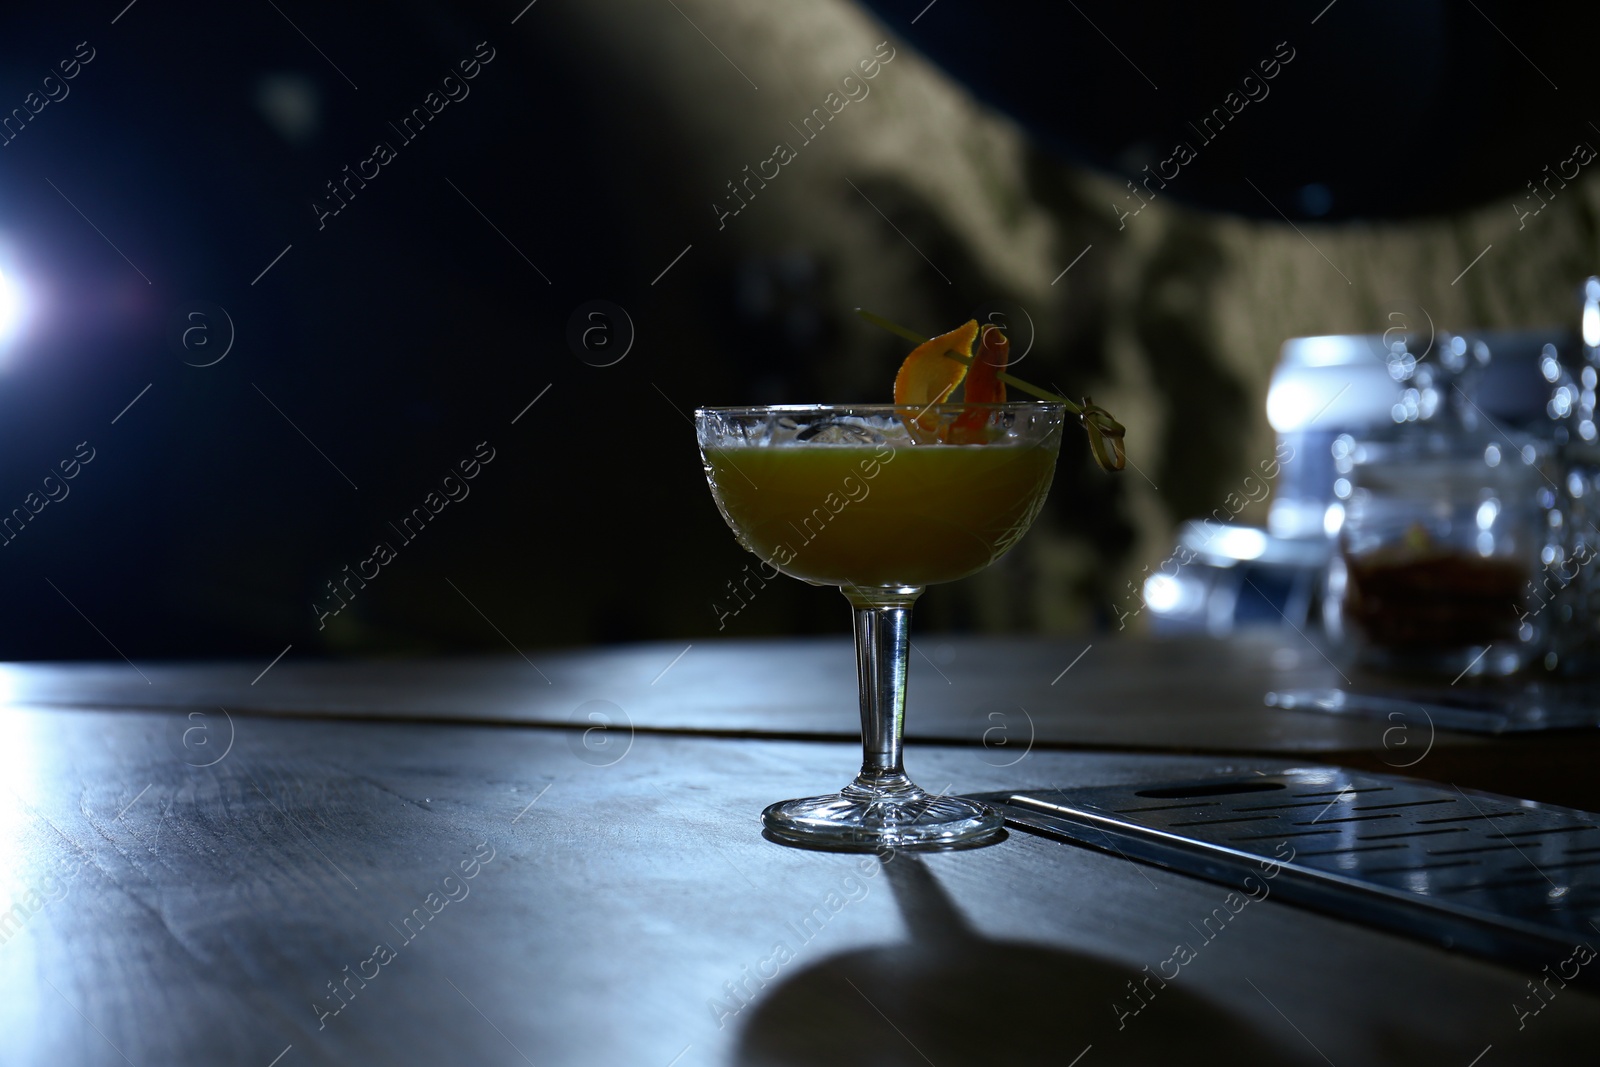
{"points": [[415, 324]]}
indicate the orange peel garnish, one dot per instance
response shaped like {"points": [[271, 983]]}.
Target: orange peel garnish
{"points": [[983, 386], [1105, 433], [927, 377]]}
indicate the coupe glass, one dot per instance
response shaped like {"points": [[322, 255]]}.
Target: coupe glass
{"points": [[880, 501]]}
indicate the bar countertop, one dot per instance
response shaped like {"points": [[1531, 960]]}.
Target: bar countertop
{"points": [[455, 862]]}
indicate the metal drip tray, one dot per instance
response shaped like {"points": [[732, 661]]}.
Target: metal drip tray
{"points": [[1511, 879]]}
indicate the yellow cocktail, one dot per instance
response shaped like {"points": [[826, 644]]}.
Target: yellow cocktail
{"points": [[881, 501], [880, 514]]}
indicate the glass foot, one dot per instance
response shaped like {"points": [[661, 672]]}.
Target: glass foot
{"points": [[863, 820]]}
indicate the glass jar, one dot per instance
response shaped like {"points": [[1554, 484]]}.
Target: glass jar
{"points": [[1443, 530], [1568, 589]]}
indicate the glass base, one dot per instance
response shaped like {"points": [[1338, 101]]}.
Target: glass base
{"points": [[867, 818]]}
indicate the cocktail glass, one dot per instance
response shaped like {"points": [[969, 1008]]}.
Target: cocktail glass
{"points": [[880, 501]]}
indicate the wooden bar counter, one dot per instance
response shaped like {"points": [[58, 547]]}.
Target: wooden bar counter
{"points": [[557, 859]]}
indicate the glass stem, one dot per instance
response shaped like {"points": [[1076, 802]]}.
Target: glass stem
{"points": [[883, 645]]}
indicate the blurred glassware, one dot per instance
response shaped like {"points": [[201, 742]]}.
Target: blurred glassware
{"points": [[1567, 589], [1344, 384], [1444, 526], [1223, 575]]}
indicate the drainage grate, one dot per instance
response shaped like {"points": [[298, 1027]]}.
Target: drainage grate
{"points": [[1510, 879]]}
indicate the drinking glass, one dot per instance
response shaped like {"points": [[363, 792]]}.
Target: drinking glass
{"points": [[880, 501]]}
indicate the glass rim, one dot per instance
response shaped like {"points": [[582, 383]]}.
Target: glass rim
{"points": [[876, 408]]}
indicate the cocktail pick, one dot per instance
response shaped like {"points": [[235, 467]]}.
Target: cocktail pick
{"points": [[1105, 433]]}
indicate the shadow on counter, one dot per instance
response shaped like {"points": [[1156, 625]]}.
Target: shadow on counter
{"points": [[953, 998]]}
